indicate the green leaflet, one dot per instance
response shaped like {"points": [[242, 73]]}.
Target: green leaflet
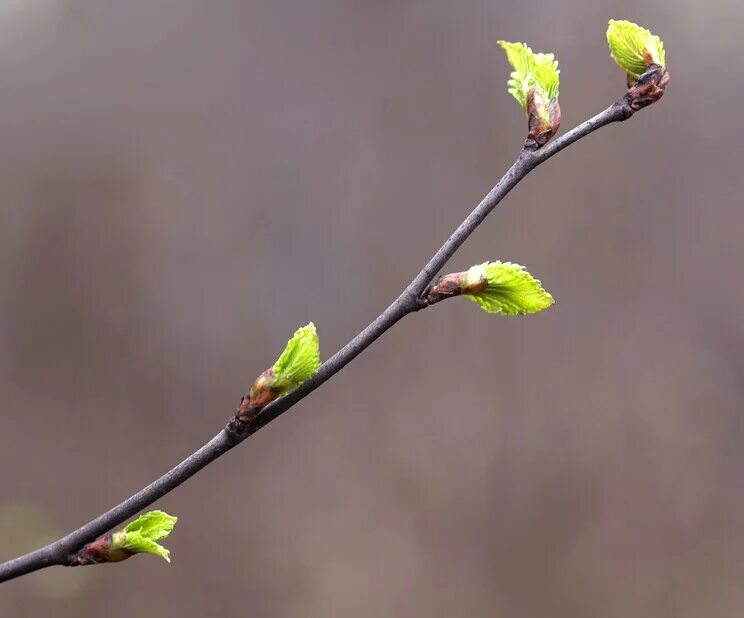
{"points": [[138, 544], [531, 70], [140, 536], [634, 48], [153, 525], [299, 361], [547, 74], [509, 289]]}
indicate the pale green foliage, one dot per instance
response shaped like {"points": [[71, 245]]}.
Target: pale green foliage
{"points": [[299, 361], [153, 525], [547, 74], [631, 46], [510, 289], [141, 535], [531, 70]]}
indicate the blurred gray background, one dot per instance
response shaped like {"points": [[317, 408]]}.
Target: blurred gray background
{"points": [[185, 183]]}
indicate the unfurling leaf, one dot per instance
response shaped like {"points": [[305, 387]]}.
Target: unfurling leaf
{"points": [[534, 84], [153, 525], [531, 70], [299, 361], [634, 48], [141, 535], [505, 288]]}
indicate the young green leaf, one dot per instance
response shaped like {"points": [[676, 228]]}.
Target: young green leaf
{"points": [[299, 361], [634, 48], [140, 536], [531, 70], [547, 74], [153, 525], [506, 288]]}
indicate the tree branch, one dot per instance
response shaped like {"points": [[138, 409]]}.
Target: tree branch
{"points": [[64, 550]]}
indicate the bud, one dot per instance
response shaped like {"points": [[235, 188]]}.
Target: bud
{"points": [[534, 83], [649, 88], [641, 55], [454, 284], [299, 361], [140, 536], [497, 287], [544, 118]]}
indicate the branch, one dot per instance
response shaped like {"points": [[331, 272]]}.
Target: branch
{"points": [[65, 550]]}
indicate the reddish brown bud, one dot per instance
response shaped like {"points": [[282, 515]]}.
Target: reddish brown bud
{"points": [[454, 284], [544, 118], [446, 286], [100, 551], [649, 88], [261, 394]]}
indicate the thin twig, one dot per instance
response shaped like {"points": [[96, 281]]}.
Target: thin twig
{"points": [[62, 551]]}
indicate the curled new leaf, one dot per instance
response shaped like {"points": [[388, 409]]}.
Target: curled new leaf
{"points": [[634, 48], [531, 70], [505, 288], [299, 361], [153, 525], [534, 84], [141, 535]]}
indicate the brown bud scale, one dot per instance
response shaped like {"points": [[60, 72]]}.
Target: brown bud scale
{"points": [[544, 119], [649, 88], [98, 552]]}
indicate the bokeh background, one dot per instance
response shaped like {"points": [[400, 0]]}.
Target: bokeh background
{"points": [[184, 183]]}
